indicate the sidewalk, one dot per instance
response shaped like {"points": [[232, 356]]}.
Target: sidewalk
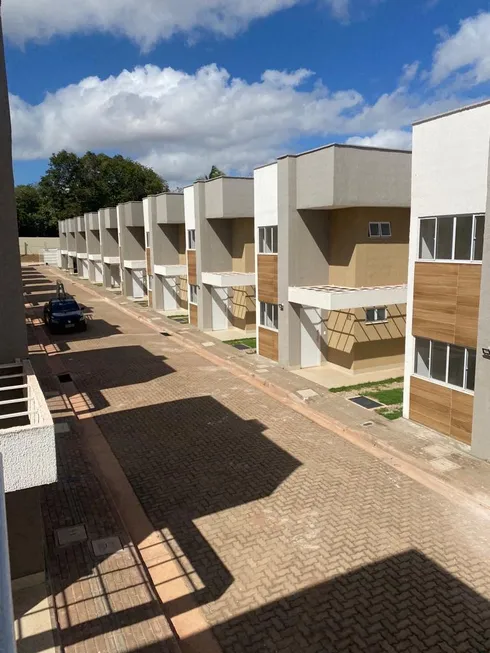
{"points": [[101, 598], [440, 462]]}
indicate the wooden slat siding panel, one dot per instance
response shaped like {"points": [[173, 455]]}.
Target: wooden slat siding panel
{"points": [[191, 267], [434, 301], [430, 404], [268, 344], [468, 305], [193, 314], [462, 416], [267, 278]]}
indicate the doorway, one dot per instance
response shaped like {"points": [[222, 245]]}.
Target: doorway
{"points": [[220, 308], [311, 336]]}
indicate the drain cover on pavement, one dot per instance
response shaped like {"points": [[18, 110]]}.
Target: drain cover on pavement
{"points": [[365, 402], [106, 546], [241, 346], [64, 378], [71, 535]]}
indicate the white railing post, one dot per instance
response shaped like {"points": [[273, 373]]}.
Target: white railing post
{"points": [[7, 634]]}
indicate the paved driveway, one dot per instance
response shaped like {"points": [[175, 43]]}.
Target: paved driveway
{"points": [[292, 538]]}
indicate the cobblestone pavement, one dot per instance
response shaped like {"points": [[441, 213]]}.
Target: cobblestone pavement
{"points": [[294, 539], [101, 602]]}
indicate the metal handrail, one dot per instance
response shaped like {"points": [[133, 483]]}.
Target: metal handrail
{"points": [[7, 633]]}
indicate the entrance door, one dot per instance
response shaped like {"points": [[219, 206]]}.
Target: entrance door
{"points": [[139, 289], [311, 335], [169, 294], [219, 308]]}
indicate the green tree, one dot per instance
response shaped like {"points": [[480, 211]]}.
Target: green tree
{"points": [[214, 173], [30, 218], [75, 185]]}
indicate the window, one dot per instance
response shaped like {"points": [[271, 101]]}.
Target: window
{"points": [[192, 294], [269, 315], [448, 238], [268, 240], [379, 229], [376, 315], [449, 364], [191, 239]]}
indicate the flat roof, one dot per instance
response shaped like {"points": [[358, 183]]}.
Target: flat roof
{"points": [[467, 107], [205, 181], [346, 146]]}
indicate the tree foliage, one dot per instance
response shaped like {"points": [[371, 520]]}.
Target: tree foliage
{"points": [[76, 185], [214, 173]]}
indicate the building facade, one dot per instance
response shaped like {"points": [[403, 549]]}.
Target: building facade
{"points": [[166, 254], [132, 250], [220, 254], [27, 439], [332, 228], [447, 373]]}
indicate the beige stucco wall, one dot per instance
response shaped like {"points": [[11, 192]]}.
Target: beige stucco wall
{"points": [[181, 245], [357, 260], [355, 345], [242, 245]]}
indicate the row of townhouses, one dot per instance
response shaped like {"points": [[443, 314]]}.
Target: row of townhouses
{"points": [[352, 259]]}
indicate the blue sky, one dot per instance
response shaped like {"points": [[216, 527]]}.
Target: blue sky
{"points": [[233, 82]]}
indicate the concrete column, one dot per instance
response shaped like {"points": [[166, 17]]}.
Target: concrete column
{"points": [[13, 337], [480, 442], [289, 323]]}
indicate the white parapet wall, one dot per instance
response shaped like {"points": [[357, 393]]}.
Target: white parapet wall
{"points": [[29, 451]]}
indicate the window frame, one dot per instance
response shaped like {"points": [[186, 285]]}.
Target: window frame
{"points": [[191, 238], [380, 234], [473, 244], [193, 291], [272, 319], [377, 319], [446, 384], [264, 231]]}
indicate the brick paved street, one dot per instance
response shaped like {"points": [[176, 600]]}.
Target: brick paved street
{"points": [[292, 538]]}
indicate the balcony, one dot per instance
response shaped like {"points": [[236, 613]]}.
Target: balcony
{"points": [[337, 298], [171, 270], [112, 260], [228, 279], [27, 439], [139, 264]]}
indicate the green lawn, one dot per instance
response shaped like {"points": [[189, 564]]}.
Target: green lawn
{"points": [[390, 413], [250, 342], [389, 397], [370, 384]]}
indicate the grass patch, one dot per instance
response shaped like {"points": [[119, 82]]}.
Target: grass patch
{"points": [[370, 384], [390, 413], [250, 342], [389, 397]]}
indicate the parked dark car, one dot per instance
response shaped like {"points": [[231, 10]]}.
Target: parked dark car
{"points": [[62, 314]]}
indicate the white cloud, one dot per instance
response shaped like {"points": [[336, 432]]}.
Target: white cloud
{"points": [[467, 53], [391, 138], [143, 21], [182, 123]]}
